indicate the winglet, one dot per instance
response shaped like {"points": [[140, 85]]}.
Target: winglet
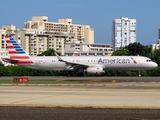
{"points": [[59, 58]]}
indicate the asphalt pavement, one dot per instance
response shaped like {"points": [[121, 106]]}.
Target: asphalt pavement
{"points": [[58, 113]]}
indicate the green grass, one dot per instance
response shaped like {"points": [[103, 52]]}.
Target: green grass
{"points": [[40, 82]]}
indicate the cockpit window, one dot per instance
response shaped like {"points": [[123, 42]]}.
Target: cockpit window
{"points": [[148, 60]]}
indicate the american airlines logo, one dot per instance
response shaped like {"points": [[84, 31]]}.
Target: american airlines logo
{"points": [[114, 61], [134, 61]]}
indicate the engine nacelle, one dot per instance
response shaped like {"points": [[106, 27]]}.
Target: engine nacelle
{"points": [[95, 70]]}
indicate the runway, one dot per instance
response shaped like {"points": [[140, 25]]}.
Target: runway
{"points": [[82, 96], [130, 101]]}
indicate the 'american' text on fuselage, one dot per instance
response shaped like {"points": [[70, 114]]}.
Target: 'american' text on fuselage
{"points": [[114, 61]]}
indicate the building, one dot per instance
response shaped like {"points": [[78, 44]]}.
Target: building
{"points": [[81, 32], [154, 47], [123, 32], [158, 40], [35, 41], [80, 49], [4, 54], [157, 45], [3, 31], [3, 50]]}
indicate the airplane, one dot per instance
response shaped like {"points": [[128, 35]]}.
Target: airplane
{"points": [[89, 64]]}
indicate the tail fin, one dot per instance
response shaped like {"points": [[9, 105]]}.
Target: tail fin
{"points": [[16, 52]]}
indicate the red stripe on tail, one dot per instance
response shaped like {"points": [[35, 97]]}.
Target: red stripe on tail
{"points": [[10, 46], [8, 41], [12, 52]]}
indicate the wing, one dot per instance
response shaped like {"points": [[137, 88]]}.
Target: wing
{"points": [[75, 65]]}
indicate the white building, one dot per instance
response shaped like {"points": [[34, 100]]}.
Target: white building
{"points": [[81, 32], [79, 49], [123, 32]]}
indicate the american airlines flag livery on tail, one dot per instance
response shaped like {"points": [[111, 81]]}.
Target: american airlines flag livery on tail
{"points": [[89, 64], [16, 53]]}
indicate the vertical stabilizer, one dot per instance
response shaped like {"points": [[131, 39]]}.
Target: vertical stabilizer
{"points": [[16, 52]]}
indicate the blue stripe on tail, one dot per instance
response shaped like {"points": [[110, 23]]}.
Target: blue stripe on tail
{"points": [[17, 47]]}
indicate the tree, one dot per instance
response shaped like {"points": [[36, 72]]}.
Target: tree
{"points": [[1, 64], [138, 49], [121, 52], [49, 52], [156, 56]]}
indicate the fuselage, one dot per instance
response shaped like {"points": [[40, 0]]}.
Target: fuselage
{"points": [[108, 62]]}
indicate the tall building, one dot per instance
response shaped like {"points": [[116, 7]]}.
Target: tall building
{"points": [[81, 32], [159, 34], [123, 32]]}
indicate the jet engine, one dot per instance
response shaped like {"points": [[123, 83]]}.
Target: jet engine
{"points": [[95, 70]]}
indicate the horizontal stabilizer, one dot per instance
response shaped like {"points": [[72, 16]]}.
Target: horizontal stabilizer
{"points": [[9, 60]]}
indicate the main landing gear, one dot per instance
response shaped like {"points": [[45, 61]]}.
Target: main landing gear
{"points": [[139, 73]]}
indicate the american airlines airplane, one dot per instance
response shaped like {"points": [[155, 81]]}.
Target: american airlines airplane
{"points": [[89, 64]]}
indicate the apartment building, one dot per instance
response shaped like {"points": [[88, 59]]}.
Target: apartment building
{"points": [[81, 32], [3, 50], [3, 31], [85, 49], [123, 32], [35, 41]]}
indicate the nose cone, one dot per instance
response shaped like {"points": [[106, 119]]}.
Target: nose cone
{"points": [[155, 65]]}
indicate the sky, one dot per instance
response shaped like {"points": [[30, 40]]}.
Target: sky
{"points": [[99, 14]]}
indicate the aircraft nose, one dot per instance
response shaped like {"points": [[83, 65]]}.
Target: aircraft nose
{"points": [[155, 64]]}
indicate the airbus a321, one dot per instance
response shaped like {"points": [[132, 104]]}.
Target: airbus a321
{"points": [[89, 64]]}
